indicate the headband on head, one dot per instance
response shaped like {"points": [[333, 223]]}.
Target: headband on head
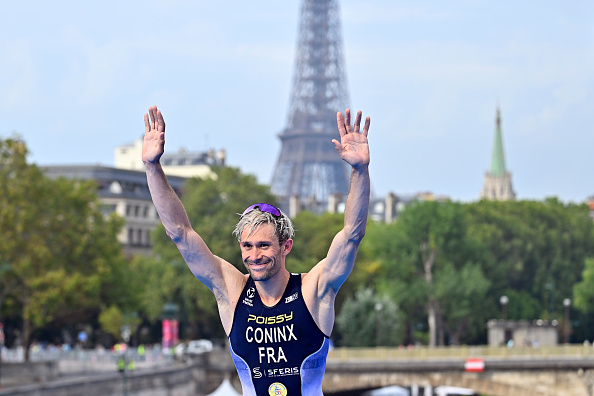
{"points": [[264, 207]]}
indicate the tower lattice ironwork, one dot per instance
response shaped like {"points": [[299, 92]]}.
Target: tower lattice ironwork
{"points": [[308, 166]]}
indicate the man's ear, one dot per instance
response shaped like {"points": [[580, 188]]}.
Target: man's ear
{"points": [[287, 246]]}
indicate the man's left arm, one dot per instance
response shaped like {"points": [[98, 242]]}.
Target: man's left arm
{"points": [[353, 148], [321, 284], [342, 253]]}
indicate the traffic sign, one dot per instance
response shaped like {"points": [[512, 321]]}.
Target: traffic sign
{"points": [[474, 365]]}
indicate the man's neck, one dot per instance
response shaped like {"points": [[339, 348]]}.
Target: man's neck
{"points": [[272, 290]]}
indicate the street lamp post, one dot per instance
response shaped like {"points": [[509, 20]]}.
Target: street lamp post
{"points": [[550, 286], [566, 326], [503, 300], [125, 332], [3, 267], [378, 308]]}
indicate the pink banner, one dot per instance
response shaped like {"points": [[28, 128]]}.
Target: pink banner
{"points": [[170, 333]]}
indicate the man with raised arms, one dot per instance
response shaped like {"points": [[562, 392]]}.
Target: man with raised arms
{"points": [[278, 323]]}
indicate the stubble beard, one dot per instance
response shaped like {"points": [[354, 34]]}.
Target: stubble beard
{"points": [[271, 271]]}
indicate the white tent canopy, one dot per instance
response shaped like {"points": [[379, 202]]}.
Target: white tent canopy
{"points": [[388, 391], [225, 389], [453, 390]]}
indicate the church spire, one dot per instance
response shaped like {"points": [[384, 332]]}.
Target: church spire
{"points": [[498, 157], [497, 184]]}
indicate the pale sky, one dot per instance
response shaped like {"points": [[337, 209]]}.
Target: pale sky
{"points": [[76, 78]]}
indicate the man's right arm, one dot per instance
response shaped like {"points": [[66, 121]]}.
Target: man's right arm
{"points": [[177, 225], [218, 275]]}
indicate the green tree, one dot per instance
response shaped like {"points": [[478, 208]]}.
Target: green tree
{"points": [[57, 244], [384, 244], [583, 291], [367, 319], [458, 291], [423, 256], [438, 259], [112, 320], [123, 297], [313, 236], [536, 252]]}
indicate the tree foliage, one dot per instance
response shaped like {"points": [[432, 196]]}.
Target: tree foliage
{"points": [[424, 256], [57, 245], [367, 319], [536, 252], [439, 258], [583, 292], [313, 236]]}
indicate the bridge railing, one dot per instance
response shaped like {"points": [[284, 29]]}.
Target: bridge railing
{"points": [[462, 352]]}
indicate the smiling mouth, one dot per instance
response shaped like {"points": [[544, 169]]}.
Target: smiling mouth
{"points": [[256, 266]]}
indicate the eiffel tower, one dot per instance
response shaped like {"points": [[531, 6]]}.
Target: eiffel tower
{"points": [[308, 170]]}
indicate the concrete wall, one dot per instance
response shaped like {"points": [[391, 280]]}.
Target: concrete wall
{"points": [[196, 376], [12, 374], [571, 377], [502, 377], [172, 381], [509, 383]]}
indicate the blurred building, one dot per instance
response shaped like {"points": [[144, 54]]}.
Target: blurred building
{"points": [[123, 189], [381, 209], [522, 333], [181, 163], [497, 184], [124, 192]]}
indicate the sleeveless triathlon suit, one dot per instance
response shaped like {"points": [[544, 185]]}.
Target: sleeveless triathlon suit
{"points": [[279, 350]]}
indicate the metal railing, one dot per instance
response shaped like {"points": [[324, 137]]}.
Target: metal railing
{"points": [[577, 351], [340, 354], [84, 355]]}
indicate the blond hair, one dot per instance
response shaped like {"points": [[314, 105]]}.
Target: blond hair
{"points": [[283, 227]]}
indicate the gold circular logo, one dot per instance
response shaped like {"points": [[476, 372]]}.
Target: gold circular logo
{"points": [[277, 389]]}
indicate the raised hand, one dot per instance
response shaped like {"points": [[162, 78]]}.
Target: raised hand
{"points": [[353, 147], [154, 138]]}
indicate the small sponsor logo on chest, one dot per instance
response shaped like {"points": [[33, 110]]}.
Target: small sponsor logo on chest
{"points": [[292, 297], [249, 295]]}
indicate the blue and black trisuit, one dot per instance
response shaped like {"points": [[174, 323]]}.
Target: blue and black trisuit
{"points": [[277, 350]]}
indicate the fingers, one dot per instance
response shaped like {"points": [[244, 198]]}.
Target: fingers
{"points": [[358, 121], [340, 123], [157, 122], [160, 121], [366, 126], [153, 114], [337, 146], [344, 125], [347, 113], [147, 126]]}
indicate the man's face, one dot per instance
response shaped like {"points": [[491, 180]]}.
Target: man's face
{"points": [[262, 255]]}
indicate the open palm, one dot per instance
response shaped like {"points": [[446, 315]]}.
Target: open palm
{"points": [[353, 146], [154, 138]]}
